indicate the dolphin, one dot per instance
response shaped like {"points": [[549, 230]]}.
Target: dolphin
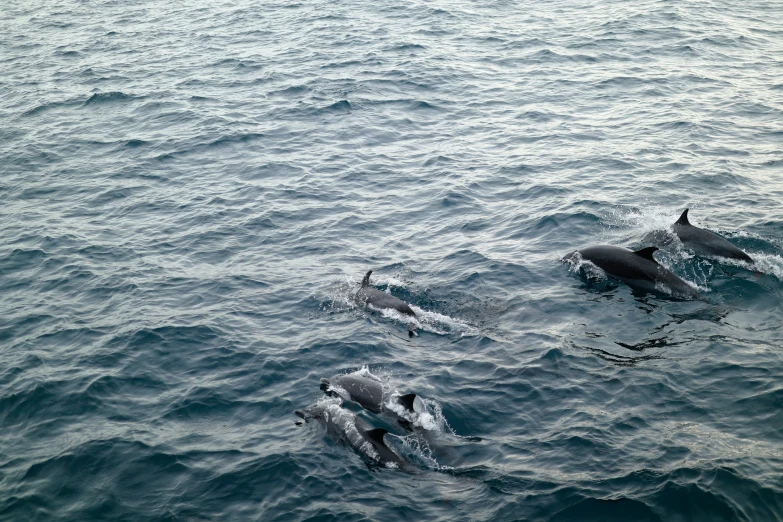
{"points": [[379, 299], [637, 269], [348, 428], [705, 243], [369, 394]]}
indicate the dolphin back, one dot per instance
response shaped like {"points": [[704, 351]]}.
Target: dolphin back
{"points": [[366, 392], [637, 269], [380, 299], [706, 243], [385, 453]]}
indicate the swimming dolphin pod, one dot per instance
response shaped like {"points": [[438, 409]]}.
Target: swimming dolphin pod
{"points": [[637, 269], [705, 243]]}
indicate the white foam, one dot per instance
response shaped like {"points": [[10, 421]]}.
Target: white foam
{"points": [[389, 281], [415, 418], [699, 288], [342, 297], [646, 220], [427, 414], [428, 321], [337, 390], [418, 450], [766, 263], [329, 402], [364, 371], [577, 263], [435, 320]]}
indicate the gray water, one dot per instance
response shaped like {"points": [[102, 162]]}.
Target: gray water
{"points": [[191, 193]]}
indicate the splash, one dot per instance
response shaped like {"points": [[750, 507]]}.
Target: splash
{"points": [[429, 321], [580, 266], [418, 451], [342, 297], [645, 221], [389, 281], [771, 264], [427, 414]]}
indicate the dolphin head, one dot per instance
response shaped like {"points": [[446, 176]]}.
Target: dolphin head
{"points": [[314, 412]]}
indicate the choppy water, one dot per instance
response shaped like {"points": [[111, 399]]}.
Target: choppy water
{"points": [[191, 191]]}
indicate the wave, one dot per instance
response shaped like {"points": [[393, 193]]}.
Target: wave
{"points": [[108, 97], [338, 107], [46, 106]]}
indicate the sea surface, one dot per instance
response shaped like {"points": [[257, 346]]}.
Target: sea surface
{"points": [[191, 192]]}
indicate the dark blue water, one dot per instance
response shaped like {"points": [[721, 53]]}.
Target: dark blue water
{"points": [[191, 191]]}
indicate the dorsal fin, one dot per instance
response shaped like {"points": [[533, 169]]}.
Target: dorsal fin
{"points": [[366, 280], [376, 435], [407, 401], [647, 253], [683, 219]]}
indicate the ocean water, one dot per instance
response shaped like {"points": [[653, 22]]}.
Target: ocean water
{"points": [[190, 192]]}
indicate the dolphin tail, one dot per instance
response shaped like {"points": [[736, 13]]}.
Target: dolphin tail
{"points": [[683, 219], [407, 401], [366, 280]]}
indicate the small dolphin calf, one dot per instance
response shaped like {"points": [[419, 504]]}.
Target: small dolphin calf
{"points": [[637, 269], [705, 243], [347, 428], [379, 299], [369, 394]]}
